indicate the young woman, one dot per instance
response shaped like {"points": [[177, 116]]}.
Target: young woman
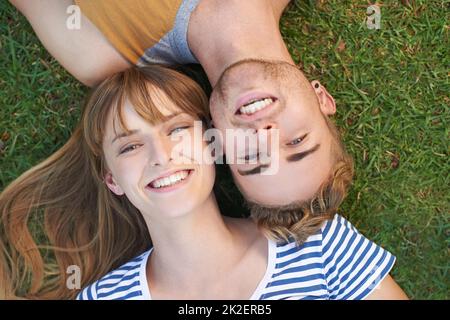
{"points": [[136, 213]]}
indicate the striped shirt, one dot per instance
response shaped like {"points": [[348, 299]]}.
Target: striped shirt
{"points": [[337, 263]]}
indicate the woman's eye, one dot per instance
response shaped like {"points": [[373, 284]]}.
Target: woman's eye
{"points": [[178, 129], [130, 148]]}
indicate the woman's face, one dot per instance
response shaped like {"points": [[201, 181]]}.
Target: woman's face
{"points": [[156, 166]]}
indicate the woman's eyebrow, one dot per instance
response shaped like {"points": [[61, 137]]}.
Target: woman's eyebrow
{"points": [[173, 116], [166, 120], [124, 134], [177, 116]]}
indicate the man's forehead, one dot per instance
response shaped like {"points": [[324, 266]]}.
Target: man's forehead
{"points": [[290, 183]]}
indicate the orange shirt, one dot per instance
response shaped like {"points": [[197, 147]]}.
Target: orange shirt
{"points": [[132, 26]]}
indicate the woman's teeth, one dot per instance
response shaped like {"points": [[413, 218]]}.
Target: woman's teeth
{"points": [[255, 106], [170, 180]]}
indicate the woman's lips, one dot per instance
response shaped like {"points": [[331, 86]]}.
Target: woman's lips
{"points": [[170, 182]]}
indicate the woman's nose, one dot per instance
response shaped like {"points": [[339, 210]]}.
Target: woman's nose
{"points": [[160, 153]]}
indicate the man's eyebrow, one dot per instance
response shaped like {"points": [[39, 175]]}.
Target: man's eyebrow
{"points": [[299, 156], [256, 170], [124, 134], [291, 158]]}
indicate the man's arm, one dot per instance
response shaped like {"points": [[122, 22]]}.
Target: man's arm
{"points": [[85, 53], [279, 6], [387, 289]]}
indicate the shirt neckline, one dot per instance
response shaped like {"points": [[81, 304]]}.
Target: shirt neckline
{"points": [[143, 276], [271, 255]]}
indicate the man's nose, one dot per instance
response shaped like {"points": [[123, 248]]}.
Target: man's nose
{"points": [[266, 126], [268, 136]]}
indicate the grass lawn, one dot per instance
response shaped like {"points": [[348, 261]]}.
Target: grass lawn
{"points": [[392, 91]]}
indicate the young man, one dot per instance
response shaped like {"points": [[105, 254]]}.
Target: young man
{"points": [[256, 86], [239, 45]]}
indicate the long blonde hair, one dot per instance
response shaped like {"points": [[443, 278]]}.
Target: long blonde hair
{"points": [[60, 213]]}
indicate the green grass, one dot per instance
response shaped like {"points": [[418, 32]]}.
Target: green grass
{"points": [[391, 86]]}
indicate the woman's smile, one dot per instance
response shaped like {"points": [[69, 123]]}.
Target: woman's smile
{"points": [[170, 181]]}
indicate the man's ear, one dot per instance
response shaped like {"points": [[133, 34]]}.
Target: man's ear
{"points": [[326, 101], [112, 184]]}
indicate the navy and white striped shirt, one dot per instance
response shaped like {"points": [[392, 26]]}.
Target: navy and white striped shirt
{"points": [[336, 263]]}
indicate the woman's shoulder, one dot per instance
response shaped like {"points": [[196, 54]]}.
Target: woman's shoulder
{"points": [[338, 262], [332, 233], [337, 221], [122, 283], [336, 239]]}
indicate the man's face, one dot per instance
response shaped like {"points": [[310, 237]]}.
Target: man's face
{"points": [[265, 96]]}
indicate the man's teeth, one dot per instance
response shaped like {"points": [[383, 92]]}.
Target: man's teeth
{"points": [[255, 106], [170, 180]]}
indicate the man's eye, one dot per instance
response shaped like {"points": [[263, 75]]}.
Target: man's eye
{"points": [[296, 141], [178, 129], [129, 148], [251, 157]]}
